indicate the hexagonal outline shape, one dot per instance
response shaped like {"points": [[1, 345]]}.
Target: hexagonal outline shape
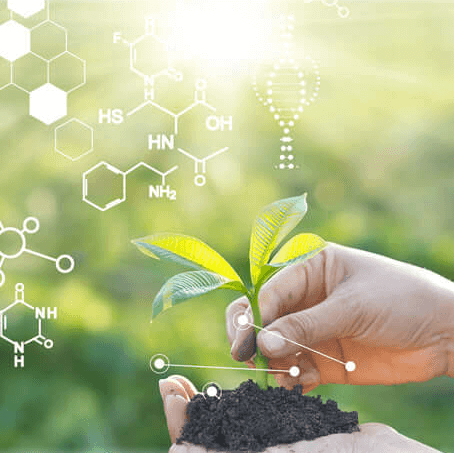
{"points": [[3, 314], [133, 58], [13, 72], [72, 120], [17, 26], [41, 88], [49, 21], [84, 64], [85, 186], [31, 12]]}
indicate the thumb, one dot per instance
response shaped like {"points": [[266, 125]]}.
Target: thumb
{"points": [[176, 392], [332, 318]]}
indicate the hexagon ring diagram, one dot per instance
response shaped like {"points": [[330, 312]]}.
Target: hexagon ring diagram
{"points": [[26, 8], [48, 103], [117, 178], [15, 40], [74, 139]]}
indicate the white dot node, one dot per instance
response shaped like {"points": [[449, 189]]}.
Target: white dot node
{"points": [[296, 117], [286, 130], [291, 123], [283, 148], [300, 108], [291, 166], [290, 157], [276, 117], [243, 320], [282, 157], [281, 166], [269, 92], [300, 74], [212, 391], [294, 370], [269, 100], [270, 83], [350, 366], [289, 148], [159, 364], [281, 123]]}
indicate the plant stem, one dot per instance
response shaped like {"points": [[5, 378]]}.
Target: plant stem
{"points": [[261, 362]]}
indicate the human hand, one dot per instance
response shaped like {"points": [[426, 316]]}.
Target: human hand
{"points": [[394, 320], [176, 392]]}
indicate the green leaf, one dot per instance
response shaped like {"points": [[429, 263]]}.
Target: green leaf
{"points": [[191, 284], [187, 251], [298, 249], [271, 226]]}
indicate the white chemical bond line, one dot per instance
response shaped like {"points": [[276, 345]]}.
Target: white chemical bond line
{"points": [[244, 321]]}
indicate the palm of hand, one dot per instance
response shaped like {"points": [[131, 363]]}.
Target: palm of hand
{"points": [[177, 391]]}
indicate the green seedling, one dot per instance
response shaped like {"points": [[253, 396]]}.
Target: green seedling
{"points": [[213, 272]]}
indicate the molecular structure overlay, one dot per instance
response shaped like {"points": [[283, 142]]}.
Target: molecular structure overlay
{"points": [[160, 363], [287, 89], [45, 48], [7, 332], [342, 11], [150, 45], [64, 263]]}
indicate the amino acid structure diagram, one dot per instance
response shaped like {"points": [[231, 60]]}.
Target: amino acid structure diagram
{"points": [[40, 314], [30, 226], [154, 66]]}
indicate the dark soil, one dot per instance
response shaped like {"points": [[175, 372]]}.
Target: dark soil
{"points": [[252, 419]]}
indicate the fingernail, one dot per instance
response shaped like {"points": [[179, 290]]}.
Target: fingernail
{"points": [[272, 341]]}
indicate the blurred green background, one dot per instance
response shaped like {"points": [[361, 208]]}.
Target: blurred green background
{"points": [[375, 155]]}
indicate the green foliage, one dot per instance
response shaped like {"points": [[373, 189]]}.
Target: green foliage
{"points": [[271, 226], [375, 157]]}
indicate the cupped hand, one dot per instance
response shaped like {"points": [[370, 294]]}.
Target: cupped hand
{"points": [[394, 320], [176, 392]]}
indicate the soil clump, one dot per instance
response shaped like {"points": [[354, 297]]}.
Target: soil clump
{"points": [[251, 419]]}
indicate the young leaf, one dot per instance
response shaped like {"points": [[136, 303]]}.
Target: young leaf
{"points": [[271, 226], [298, 249], [185, 250], [184, 286]]}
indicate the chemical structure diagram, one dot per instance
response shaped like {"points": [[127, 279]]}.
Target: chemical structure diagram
{"points": [[155, 191], [150, 72], [43, 47], [64, 263], [7, 332], [342, 11], [163, 190], [150, 45]]}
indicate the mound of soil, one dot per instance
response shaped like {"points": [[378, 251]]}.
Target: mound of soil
{"points": [[252, 419]]}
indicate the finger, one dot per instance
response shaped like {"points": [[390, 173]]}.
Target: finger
{"points": [[175, 410], [175, 399], [190, 388], [241, 338], [294, 288], [334, 318], [173, 386]]}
